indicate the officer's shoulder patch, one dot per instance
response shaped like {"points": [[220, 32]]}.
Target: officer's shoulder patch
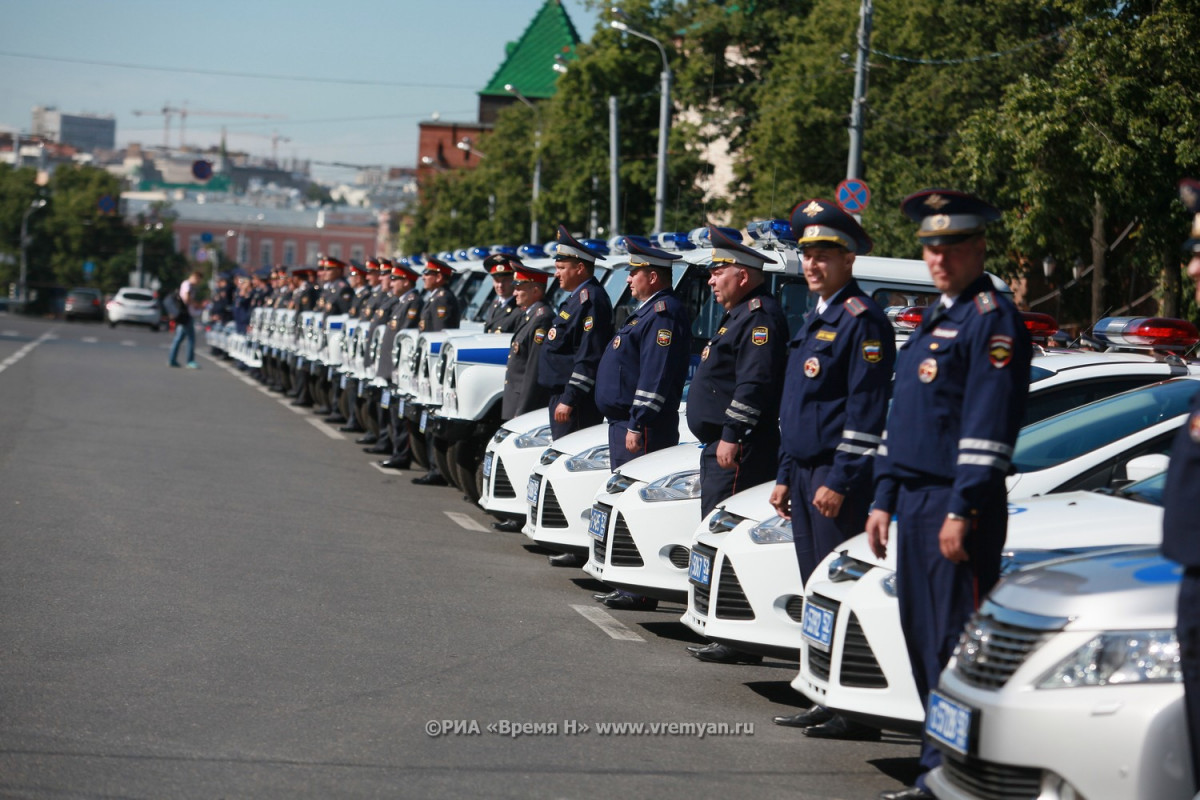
{"points": [[539, 335], [587, 323], [412, 312], [759, 335], [755, 305], [985, 302], [1000, 350], [664, 337], [872, 351], [660, 306], [855, 306]]}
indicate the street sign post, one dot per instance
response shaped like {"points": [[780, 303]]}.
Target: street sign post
{"points": [[853, 195]]}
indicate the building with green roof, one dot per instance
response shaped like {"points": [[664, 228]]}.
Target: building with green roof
{"points": [[529, 65]]}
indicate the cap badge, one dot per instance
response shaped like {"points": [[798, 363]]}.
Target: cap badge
{"points": [[812, 230], [936, 201], [812, 209], [939, 222], [927, 370]]}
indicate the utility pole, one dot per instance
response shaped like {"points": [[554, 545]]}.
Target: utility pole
{"points": [[861, 66], [614, 155]]}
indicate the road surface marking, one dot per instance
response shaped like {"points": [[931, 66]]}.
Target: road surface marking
{"points": [[607, 623], [89, 340], [128, 343], [24, 351], [323, 428], [463, 521]]}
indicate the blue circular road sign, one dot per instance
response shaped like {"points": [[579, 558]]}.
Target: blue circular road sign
{"points": [[201, 170], [853, 195]]}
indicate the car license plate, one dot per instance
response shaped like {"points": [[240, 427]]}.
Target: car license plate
{"points": [[400, 408], [362, 388], [424, 421], [487, 465], [330, 374], [531, 491], [818, 626], [700, 569], [343, 383], [949, 722], [598, 527], [299, 363], [385, 399]]}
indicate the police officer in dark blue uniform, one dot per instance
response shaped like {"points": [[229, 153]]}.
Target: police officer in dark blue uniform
{"points": [[733, 404], [639, 382], [502, 314], [575, 341], [959, 396], [1181, 526], [835, 400]]}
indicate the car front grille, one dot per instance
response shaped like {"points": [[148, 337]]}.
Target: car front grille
{"points": [[819, 661], [501, 486], [552, 513], [990, 781], [679, 556], [731, 600], [795, 608], [990, 651], [701, 595], [859, 665], [624, 551]]}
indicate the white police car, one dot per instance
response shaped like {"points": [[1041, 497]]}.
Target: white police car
{"points": [[508, 461], [1067, 684]]}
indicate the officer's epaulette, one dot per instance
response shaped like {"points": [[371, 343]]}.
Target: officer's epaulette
{"points": [[583, 296], [660, 306], [985, 302], [855, 306], [755, 304], [541, 310]]}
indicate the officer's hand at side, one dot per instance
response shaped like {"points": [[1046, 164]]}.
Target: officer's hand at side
{"points": [[878, 523], [951, 538], [728, 454], [562, 413], [828, 502], [781, 500], [633, 441]]}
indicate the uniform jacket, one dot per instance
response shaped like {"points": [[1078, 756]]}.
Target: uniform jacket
{"points": [[521, 390], [503, 316], [571, 353], [305, 297], [336, 297], [642, 372], [836, 390], [735, 390], [961, 383], [358, 303], [440, 311], [1181, 498]]}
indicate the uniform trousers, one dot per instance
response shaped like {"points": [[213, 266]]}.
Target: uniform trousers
{"points": [[657, 437], [937, 597], [758, 462], [815, 535], [583, 415]]}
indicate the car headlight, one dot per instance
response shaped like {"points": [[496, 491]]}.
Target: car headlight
{"points": [[500, 435], [1119, 657], [549, 456], [775, 530], [538, 437], [618, 483], [889, 585], [677, 486], [847, 568], [593, 459]]}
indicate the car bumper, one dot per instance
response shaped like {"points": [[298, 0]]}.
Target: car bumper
{"points": [[504, 476], [564, 506]]}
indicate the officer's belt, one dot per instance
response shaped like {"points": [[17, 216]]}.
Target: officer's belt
{"points": [[914, 484]]}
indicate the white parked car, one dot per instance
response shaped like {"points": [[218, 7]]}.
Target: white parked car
{"points": [[1067, 684], [137, 306], [508, 462]]}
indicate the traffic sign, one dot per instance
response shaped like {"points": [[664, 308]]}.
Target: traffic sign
{"points": [[202, 170], [107, 204], [88, 268], [853, 195]]}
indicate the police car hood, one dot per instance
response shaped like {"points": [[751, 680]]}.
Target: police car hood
{"points": [[575, 443], [1068, 521], [529, 421], [1126, 589], [661, 463], [753, 503]]}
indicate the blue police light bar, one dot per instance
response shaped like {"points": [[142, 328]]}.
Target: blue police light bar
{"points": [[404, 262], [616, 245], [530, 251], [446, 256], [415, 260], [462, 255], [674, 241], [504, 249], [771, 230], [1146, 333], [550, 248], [478, 253], [599, 245], [699, 236]]}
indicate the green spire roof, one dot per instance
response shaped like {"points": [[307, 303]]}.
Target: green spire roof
{"points": [[529, 65]]}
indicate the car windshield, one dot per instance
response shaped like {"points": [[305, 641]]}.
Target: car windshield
{"points": [[140, 297], [1081, 430]]}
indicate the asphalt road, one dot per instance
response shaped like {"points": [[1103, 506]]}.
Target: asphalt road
{"points": [[204, 593]]}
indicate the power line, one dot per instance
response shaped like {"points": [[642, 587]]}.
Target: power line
{"points": [[944, 62], [226, 74]]}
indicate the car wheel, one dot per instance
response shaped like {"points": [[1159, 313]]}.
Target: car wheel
{"points": [[441, 457], [419, 447], [467, 469]]}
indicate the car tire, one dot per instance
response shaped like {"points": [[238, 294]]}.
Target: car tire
{"points": [[419, 446], [441, 458], [468, 469]]}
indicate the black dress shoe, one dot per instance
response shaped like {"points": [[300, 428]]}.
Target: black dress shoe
{"points": [[430, 479], [844, 730], [302, 403], [369, 438], [696, 648], [322, 411], [567, 560], [600, 597], [631, 602], [724, 654], [353, 427], [509, 525], [817, 715], [335, 419], [382, 448], [395, 462], [907, 793]]}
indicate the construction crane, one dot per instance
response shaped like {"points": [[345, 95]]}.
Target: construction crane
{"points": [[168, 111], [274, 137]]}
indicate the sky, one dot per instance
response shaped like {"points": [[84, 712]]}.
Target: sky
{"points": [[343, 80]]}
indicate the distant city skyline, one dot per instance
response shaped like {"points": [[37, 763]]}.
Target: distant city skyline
{"points": [[346, 82]]}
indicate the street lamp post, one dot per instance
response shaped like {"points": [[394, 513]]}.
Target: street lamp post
{"points": [[141, 239], [466, 146], [23, 289], [537, 164], [664, 118]]}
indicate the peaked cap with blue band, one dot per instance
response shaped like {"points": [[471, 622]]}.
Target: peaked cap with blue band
{"points": [[570, 247], [820, 222], [727, 251], [643, 255], [948, 216]]}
